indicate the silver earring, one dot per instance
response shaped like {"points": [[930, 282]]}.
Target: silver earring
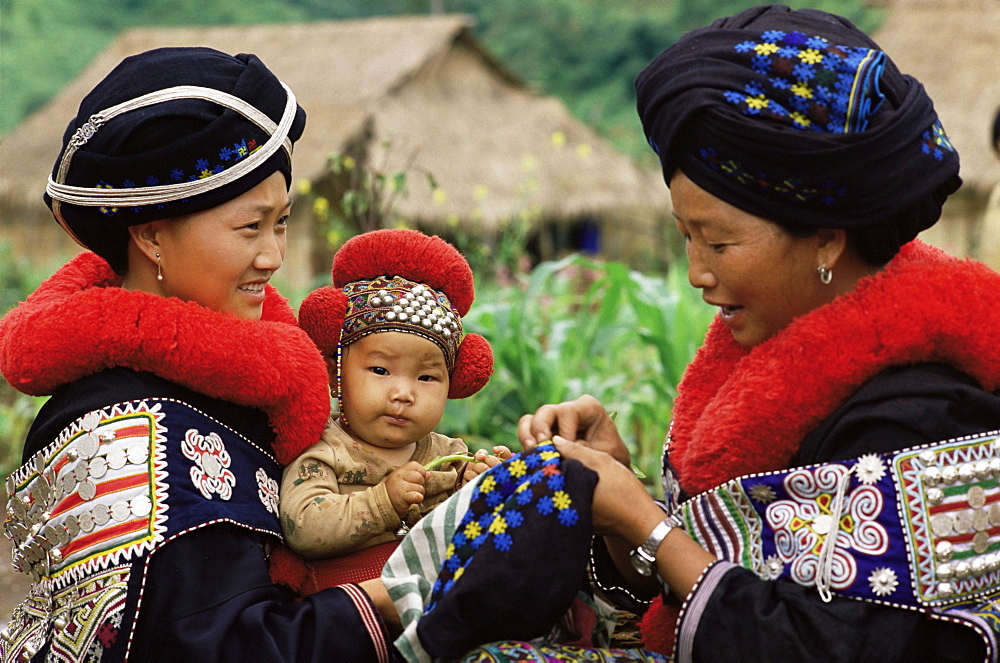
{"points": [[825, 275], [159, 268]]}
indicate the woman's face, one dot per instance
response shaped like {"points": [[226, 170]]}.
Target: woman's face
{"points": [[394, 388], [759, 276], [222, 257]]}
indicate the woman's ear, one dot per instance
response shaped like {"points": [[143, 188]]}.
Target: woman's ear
{"points": [[145, 237], [831, 244]]}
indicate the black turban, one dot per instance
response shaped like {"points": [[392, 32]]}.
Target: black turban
{"points": [[798, 117], [177, 140]]}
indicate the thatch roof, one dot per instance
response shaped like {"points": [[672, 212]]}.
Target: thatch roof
{"points": [[420, 84], [953, 48]]}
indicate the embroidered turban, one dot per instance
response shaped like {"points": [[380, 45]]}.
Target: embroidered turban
{"points": [[798, 117], [169, 132]]}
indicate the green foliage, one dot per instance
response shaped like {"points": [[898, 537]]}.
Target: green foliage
{"points": [[17, 280], [580, 326]]}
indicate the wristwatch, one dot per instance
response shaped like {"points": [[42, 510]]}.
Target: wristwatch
{"points": [[643, 558]]}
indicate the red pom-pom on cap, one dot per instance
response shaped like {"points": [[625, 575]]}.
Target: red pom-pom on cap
{"points": [[322, 317], [411, 254], [473, 367]]}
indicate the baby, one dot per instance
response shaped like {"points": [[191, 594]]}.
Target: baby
{"points": [[391, 331]]}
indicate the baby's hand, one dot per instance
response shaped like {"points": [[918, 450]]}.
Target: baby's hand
{"points": [[482, 461], [405, 486]]}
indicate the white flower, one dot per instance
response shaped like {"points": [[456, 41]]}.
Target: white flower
{"points": [[773, 567], [870, 469], [762, 493], [883, 581]]}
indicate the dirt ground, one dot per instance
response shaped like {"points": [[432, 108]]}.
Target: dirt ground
{"points": [[13, 585]]}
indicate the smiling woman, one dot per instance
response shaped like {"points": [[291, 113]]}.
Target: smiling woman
{"points": [[221, 257], [179, 380]]}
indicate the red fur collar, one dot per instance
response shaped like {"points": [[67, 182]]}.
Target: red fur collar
{"points": [[79, 322], [740, 412]]}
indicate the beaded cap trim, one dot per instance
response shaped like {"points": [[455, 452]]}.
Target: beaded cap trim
{"points": [[397, 304]]}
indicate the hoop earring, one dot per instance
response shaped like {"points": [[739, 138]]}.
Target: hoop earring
{"points": [[825, 275], [159, 268]]}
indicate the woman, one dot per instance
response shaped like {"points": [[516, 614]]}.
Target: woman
{"points": [[802, 164], [178, 378]]}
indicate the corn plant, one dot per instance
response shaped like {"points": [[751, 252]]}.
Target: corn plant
{"points": [[581, 326]]}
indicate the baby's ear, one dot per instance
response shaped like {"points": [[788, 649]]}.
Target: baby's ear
{"points": [[322, 317], [473, 366]]}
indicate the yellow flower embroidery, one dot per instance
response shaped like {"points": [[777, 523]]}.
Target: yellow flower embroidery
{"points": [[802, 89], [499, 525], [760, 101], [488, 484], [517, 468], [800, 119], [472, 530], [811, 56], [766, 48], [561, 499]]}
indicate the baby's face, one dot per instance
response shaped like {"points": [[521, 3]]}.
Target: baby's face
{"points": [[394, 387]]}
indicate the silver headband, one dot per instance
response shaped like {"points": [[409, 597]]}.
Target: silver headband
{"points": [[154, 195]]}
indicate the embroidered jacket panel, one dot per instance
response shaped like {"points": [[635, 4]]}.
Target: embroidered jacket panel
{"points": [[193, 558], [900, 408], [334, 500]]}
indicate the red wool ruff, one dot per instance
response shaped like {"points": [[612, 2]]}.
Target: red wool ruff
{"points": [[416, 257], [745, 411], [79, 322]]}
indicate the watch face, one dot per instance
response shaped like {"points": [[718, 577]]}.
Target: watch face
{"points": [[639, 562]]}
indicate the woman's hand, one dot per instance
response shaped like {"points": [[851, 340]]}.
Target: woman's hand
{"points": [[621, 506], [582, 420], [405, 486], [626, 514]]}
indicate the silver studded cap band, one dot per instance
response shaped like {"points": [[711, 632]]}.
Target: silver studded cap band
{"points": [[393, 303], [153, 195]]}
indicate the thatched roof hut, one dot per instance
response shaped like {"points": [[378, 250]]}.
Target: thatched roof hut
{"points": [[952, 47], [410, 93]]}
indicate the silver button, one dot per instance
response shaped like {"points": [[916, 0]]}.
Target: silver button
{"points": [[116, 458], [962, 522], [86, 521], [941, 525], [138, 454], [98, 467], [976, 496], [120, 511], [88, 490], [141, 506], [88, 445], [102, 514]]}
